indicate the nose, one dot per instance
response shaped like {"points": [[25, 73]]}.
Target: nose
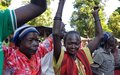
{"points": [[35, 43]]}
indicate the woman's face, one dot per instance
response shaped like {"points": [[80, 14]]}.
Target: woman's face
{"points": [[30, 43], [72, 43], [111, 44]]}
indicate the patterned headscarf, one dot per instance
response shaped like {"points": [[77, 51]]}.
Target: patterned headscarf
{"points": [[21, 32]]}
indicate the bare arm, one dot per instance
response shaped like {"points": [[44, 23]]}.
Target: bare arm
{"points": [[92, 45], [30, 11], [57, 29]]}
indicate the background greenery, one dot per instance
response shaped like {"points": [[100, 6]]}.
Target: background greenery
{"points": [[81, 19]]}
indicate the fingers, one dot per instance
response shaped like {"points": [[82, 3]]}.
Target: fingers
{"points": [[96, 7]]}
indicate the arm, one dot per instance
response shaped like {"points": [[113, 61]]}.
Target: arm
{"points": [[92, 45], [56, 30], [30, 11]]}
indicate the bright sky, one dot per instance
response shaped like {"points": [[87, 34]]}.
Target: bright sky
{"points": [[111, 5]]}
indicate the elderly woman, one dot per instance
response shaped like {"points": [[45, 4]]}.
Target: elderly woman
{"points": [[26, 57]]}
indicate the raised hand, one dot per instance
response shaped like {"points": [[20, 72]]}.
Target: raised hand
{"points": [[95, 12], [57, 27]]}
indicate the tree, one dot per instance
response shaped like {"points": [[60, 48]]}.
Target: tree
{"points": [[114, 23], [4, 4], [82, 18], [43, 20]]}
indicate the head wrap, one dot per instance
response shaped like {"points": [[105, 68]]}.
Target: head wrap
{"points": [[22, 31], [106, 37]]}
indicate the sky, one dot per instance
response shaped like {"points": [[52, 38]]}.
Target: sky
{"points": [[111, 5]]}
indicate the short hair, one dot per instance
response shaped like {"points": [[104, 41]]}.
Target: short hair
{"points": [[69, 33]]}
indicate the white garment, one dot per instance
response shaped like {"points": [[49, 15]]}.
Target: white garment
{"points": [[46, 64]]}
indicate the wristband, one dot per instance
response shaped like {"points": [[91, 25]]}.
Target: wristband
{"points": [[57, 18]]}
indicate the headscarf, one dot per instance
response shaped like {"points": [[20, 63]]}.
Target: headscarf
{"points": [[106, 37], [21, 32]]}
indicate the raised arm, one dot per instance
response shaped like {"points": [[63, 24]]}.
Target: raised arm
{"points": [[57, 28], [30, 11], [92, 45]]}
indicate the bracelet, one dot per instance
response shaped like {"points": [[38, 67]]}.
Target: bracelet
{"points": [[57, 18]]}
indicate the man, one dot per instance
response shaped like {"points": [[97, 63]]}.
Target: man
{"points": [[74, 61], [27, 57], [11, 19]]}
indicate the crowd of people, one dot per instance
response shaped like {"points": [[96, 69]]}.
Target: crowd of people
{"points": [[61, 52]]}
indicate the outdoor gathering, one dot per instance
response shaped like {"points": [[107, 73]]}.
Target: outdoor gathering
{"points": [[59, 37]]}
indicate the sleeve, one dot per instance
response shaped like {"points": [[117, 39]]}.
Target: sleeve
{"points": [[8, 23], [88, 54], [98, 59], [46, 46]]}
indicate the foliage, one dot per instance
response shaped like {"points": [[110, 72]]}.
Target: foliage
{"points": [[4, 4], [43, 20], [118, 10], [82, 18], [114, 23]]}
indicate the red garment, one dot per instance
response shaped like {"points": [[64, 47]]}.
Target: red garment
{"points": [[117, 72], [69, 67], [19, 64]]}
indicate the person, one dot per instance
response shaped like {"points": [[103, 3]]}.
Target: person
{"points": [[11, 19], [103, 58], [27, 55], [73, 61], [116, 54]]}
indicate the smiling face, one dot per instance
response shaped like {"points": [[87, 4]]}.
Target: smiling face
{"points": [[29, 44], [72, 43]]}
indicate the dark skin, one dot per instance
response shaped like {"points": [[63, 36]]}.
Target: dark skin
{"points": [[92, 45], [30, 11], [57, 30], [29, 44], [110, 44], [72, 44]]}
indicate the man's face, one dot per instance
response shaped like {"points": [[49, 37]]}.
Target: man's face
{"points": [[72, 43], [30, 43]]}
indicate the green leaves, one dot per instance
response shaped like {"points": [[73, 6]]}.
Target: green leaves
{"points": [[82, 18], [114, 23]]}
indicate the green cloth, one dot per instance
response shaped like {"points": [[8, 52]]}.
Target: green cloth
{"points": [[7, 26]]}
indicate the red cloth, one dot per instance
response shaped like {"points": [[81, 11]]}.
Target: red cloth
{"points": [[19, 64], [69, 67], [117, 72]]}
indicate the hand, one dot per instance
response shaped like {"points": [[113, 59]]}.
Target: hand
{"points": [[96, 10]]}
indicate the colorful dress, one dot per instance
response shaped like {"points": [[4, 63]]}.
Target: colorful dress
{"points": [[67, 66], [8, 24], [19, 64]]}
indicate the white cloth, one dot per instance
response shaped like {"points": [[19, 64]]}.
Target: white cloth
{"points": [[46, 64]]}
